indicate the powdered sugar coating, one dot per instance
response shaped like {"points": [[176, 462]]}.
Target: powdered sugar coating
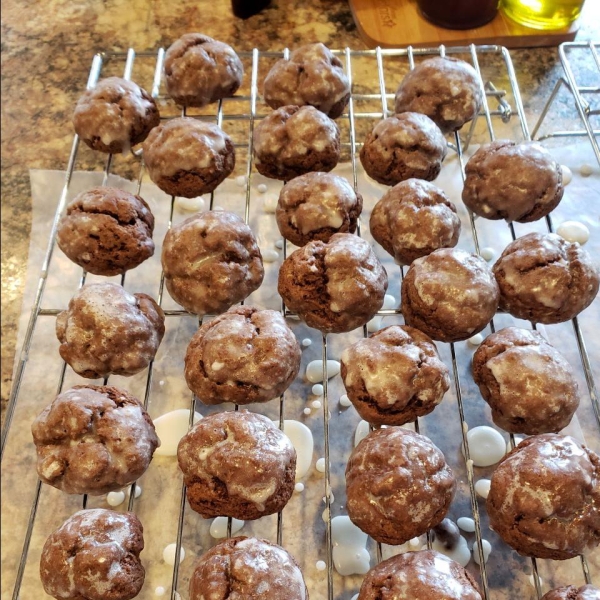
{"points": [[211, 261], [94, 554], [106, 330], [237, 464], [93, 440], [398, 485], [413, 219], [312, 76], [545, 497], [571, 592], [248, 569]]}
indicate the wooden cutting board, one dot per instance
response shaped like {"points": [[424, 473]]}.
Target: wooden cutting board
{"points": [[398, 23]]}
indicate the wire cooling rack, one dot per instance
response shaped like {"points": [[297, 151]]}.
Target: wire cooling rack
{"points": [[584, 89], [502, 116]]}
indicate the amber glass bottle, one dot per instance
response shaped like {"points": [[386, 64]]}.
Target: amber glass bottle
{"points": [[458, 14]]}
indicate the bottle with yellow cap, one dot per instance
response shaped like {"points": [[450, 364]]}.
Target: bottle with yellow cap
{"points": [[543, 14]]}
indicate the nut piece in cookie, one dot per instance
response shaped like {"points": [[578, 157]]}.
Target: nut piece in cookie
{"points": [[413, 219], [545, 496], [570, 592], [237, 464], [516, 182], [423, 575], [211, 261], [528, 384], [313, 76], [315, 206], [108, 331], [334, 287], [115, 115], [107, 231], [450, 295], [404, 146], [295, 140], [447, 90], [95, 554], [545, 279], [244, 355], [200, 70], [394, 376], [93, 440], [398, 485], [250, 566], [186, 157]]}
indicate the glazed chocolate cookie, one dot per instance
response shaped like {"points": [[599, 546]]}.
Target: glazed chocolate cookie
{"points": [[200, 70], [398, 485], [528, 384], [404, 146], [246, 568], [423, 575], [315, 206], [186, 157], [93, 440], [334, 287], [394, 376], [516, 182], [107, 231], [237, 464], [312, 76], [295, 140], [544, 499], [108, 331], [570, 592], [245, 355], [211, 261], [450, 295], [115, 115], [94, 555], [545, 279], [445, 89], [413, 219]]}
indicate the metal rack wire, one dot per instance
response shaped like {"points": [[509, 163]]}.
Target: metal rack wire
{"points": [[504, 112], [567, 52]]}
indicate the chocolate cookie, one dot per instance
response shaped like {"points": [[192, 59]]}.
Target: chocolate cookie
{"points": [[450, 295], [93, 440], [398, 485], [94, 554], [516, 182], [334, 287], [423, 575], [312, 76], [394, 376], [545, 496], [570, 592], [528, 384], [315, 206], [245, 355], [545, 279], [115, 115], [295, 140], [445, 89], [108, 331], [186, 157], [237, 464], [246, 568], [413, 219], [107, 231], [200, 70], [404, 146], [211, 261]]}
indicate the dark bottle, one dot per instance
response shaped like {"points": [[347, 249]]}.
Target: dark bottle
{"points": [[458, 14], [246, 8]]}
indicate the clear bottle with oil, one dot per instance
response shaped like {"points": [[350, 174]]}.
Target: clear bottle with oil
{"points": [[543, 14]]}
